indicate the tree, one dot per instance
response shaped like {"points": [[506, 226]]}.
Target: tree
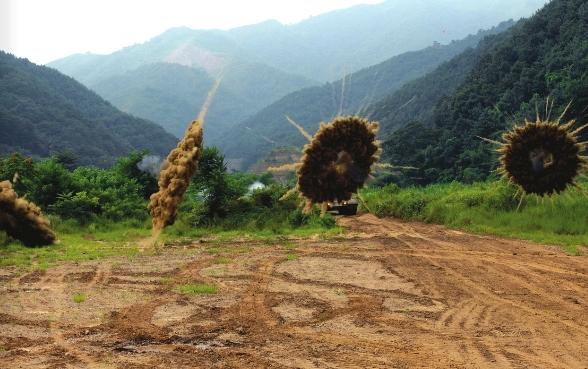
{"points": [[211, 180], [67, 158], [128, 166], [18, 169], [51, 180]]}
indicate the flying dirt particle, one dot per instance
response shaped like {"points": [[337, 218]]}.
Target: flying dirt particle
{"points": [[174, 178], [23, 220], [542, 157], [338, 160], [299, 128]]}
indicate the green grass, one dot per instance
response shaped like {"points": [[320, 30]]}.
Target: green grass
{"points": [[291, 257], [79, 297], [222, 260], [180, 231], [197, 289], [215, 250], [76, 244], [254, 222], [289, 246], [489, 208], [104, 239]]}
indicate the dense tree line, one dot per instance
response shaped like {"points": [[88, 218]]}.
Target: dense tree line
{"points": [[89, 194], [43, 112], [256, 136], [546, 55]]}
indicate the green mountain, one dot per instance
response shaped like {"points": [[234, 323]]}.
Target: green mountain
{"points": [[168, 78], [43, 112], [416, 100], [256, 136], [262, 63], [546, 55], [321, 48], [173, 94], [328, 46]]}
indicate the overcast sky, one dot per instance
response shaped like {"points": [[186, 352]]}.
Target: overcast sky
{"points": [[45, 30]]}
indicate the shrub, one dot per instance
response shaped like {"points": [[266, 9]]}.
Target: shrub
{"points": [[79, 206]]}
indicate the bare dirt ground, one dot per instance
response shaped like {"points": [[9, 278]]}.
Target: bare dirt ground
{"points": [[388, 294]]}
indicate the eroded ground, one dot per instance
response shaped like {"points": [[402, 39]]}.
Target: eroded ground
{"points": [[386, 295]]}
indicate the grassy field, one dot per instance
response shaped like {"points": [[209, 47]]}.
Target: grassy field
{"points": [[103, 238], [489, 208], [485, 208]]}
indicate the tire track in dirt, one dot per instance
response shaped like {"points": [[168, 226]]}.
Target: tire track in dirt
{"points": [[386, 295], [55, 281], [472, 315], [568, 360]]}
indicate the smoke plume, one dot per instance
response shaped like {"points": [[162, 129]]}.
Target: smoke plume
{"points": [[150, 164], [23, 220]]}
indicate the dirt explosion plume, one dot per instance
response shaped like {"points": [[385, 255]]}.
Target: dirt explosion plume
{"points": [[338, 160], [177, 170], [542, 157], [174, 178], [23, 220]]}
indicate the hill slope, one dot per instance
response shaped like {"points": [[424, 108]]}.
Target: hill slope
{"points": [[257, 135], [43, 112], [328, 46], [546, 55], [172, 94], [168, 78], [264, 62], [321, 48]]}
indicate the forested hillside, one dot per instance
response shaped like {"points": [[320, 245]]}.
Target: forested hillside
{"points": [[167, 79], [322, 48], [43, 112], [262, 63], [330, 45], [546, 55], [416, 100], [173, 94], [255, 137]]}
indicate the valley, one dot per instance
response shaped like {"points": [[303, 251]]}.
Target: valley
{"points": [[358, 184]]}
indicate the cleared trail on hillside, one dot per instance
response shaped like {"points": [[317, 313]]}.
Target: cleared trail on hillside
{"points": [[388, 294]]}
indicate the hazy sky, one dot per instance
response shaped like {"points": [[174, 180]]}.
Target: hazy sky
{"points": [[45, 30]]}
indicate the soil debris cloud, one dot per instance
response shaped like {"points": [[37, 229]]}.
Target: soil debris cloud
{"points": [[542, 157], [22, 219], [174, 178], [338, 160]]}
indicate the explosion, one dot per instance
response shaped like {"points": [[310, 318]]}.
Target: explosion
{"points": [[177, 170], [174, 178], [337, 161], [542, 157], [23, 220]]}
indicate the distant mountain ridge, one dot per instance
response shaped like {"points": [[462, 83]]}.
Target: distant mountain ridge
{"points": [[322, 48], [172, 94], [168, 78], [252, 139], [43, 112], [508, 81], [261, 63]]}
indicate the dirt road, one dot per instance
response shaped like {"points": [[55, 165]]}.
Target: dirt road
{"points": [[386, 295]]}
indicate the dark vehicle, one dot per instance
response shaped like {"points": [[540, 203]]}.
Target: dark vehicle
{"points": [[344, 207]]}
